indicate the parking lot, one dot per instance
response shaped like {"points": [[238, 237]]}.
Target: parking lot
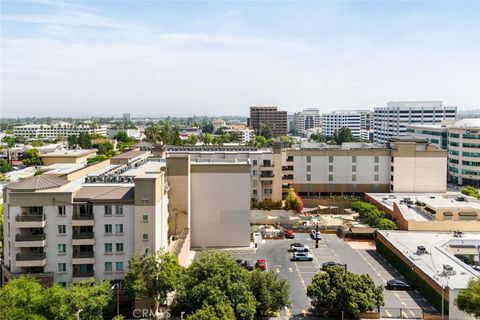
{"points": [[358, 257]]}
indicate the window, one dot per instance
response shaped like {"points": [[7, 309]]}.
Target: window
{"points": [[267, 191], [354, 168], [119, 266], [309, 168], [119, 247], [62, 267], [330, 177], [62, 229], [309, 159], [330, 159], [376, 159], [254, 191], [354, 177], [309, 177], [375, 178], [108, 210], [118, 209], [145, 236], [330, 168], [108, 228], [254, 162], [145, 217], [61, 210], [119, 228], [254, 172], [108, 266], [108, 247], [375, 168], [62, 248], [354, 159]]}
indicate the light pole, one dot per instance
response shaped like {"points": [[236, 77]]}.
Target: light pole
{"points": [[117, 286], [316, 235]]}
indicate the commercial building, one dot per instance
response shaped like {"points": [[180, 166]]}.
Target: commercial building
{"points": [[275, 119], [307, 119], [438, 265], [55, 130], [341, 119], [126, 117], [366, 119], [68, 156], [88, 222], [390, 121], [462, 140], [366, 135]]}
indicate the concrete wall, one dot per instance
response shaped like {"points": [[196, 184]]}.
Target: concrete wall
{"points": [[420, 174]]}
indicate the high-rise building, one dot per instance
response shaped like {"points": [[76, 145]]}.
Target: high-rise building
{"points": [[126, 117], [390, 121], [275, 119], [337, 120], [366, 119], [307, 119]]}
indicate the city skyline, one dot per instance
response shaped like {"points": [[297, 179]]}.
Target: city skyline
{"points": [[156, 59]]}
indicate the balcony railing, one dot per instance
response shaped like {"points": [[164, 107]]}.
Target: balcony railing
{"points": [[82, 216], [267, 165], [82, 273], [30, 256], [85, 254], [83, 235], [29, 237], [267, 174], [30, 217]]}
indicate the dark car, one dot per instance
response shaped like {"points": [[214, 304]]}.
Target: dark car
{"points": [[249, 264], [396, 284], [288, 234], [240, 262], [329, 264], [261, 264]]}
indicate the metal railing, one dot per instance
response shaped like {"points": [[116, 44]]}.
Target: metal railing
{"points": [[30, 256], [30, 217], [83, 254], [82, 216], [30, 237], [83, 235], [82, 273]]}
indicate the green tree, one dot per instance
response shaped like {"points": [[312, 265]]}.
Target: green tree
{"points": [[105, 148], [468, 300], [386, 224], [72, 141], [220, 311], [336, 290], [153, 276], [207, 127], [84, 140], [10, 141], [31, 158], [471, 191], [90, 297], [37, 143], [213, 279], [207, 139], [261, 142], [291, 201], [271, 293], [342, 135], [287, 141], [5, 166], [191, 140], [317, 137], [265, 131], [121, 136]]}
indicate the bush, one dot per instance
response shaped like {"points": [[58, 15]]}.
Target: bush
{"points": [[471, 191], [265, 204], [372, 216]]}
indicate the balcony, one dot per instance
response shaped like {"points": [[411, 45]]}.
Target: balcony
{"points": [[287, 169], [30, 221], [82, 219], [83, 238], [82, 274], [30, 260], [290, 159], [86, 257], [287, 178], [266, 175], [30, 240], [267, 166]]}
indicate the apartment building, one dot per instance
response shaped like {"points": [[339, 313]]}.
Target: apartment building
{"points": [[307, 119], [462, 140], [341, 119], [391, 121], [366, 119], [89, 222], [55, 130], [275, 119], [366, 135]]}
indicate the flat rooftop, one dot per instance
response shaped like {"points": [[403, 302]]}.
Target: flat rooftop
{"points": [[70, 153], [438, 246]]}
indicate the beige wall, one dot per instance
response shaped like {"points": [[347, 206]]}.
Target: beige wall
{"points": [[47, 161], [419, 174]]}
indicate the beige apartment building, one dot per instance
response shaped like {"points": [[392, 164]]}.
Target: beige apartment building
{"points": [[275, 119], [89, 222]]}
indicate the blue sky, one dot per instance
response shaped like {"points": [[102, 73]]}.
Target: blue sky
{"points": [[83, 58]]}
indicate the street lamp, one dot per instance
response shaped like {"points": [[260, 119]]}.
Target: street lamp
{"points": [[117, 286], [316, 235]]}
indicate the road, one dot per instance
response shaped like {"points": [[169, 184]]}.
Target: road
{"points": [[331, 248]]}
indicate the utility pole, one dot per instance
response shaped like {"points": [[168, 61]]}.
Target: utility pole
{"points": [[316, 235]]}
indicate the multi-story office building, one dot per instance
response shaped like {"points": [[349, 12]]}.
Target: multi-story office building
{"points": [[390, 121], [53, 131], [275, 119], [341, 119], [462, 140], [366, 119], [89, 222], [366, 135], [307, 119]]}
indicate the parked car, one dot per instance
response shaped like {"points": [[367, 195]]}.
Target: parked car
{"points": [[396, 284], [476, 268], [329, 264], [261, 264], [249, 265], [302, 256], [240, 262], [316, 235], [298, 247], [288, 234]]}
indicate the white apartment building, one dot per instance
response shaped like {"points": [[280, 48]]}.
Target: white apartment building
{"points": [[55, 130], [341, 119], [307, 119], [390, 121], [366, 134], [462, 140], [366, 119]]}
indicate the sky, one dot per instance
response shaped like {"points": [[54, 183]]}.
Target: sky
{"points": [[179, 58]]}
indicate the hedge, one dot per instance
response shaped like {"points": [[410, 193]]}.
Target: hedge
{"points": [[421, 285]]}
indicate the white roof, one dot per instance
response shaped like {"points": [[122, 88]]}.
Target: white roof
{"points": [[467, 123]]}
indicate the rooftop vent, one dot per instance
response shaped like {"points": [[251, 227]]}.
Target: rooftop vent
{"points": [[448, 270], [421, 250], [457, 234]]}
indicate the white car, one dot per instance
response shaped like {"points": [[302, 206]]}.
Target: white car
{"points": [[316, 235], [298, 247], [302, 256]]}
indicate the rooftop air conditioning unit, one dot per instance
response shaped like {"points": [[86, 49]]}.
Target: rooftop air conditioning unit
{"points": [[448, 270], [457, 234], [421, 250]]}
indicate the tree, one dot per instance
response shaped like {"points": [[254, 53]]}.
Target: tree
{"points": [[153, 276], [165, 133], [265, 131], [72, 141], [10, 141], [261, 142], [468, 300], [341, 136], [386, 224], [213, 279], [84, 140], [317, 137], [121, 136], [191, 140], [371, 215], [271, 293], [90, 297], [471, 191], [31, 158], [207, 139], [291, 202], [105, 148], [287, 141], [207, 128], [5, 166], [220, 311], [336, 290]]}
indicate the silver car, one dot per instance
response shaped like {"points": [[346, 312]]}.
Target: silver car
{"points": [[302, 256]]}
